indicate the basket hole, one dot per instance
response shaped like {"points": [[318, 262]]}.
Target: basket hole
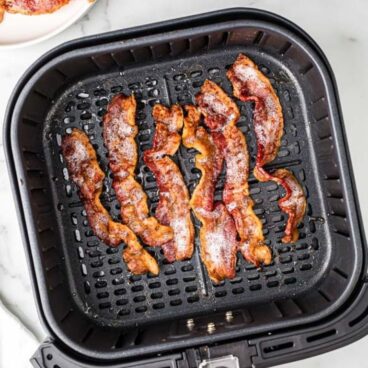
{"points": [[97, 274], [100, 284], [190, 289], [254, 276], [301, 246], [113, 261], [158, 306], [103, 295], [187, 268], [118, 281], [272, 284], [220, 294], [306, 267], [173, 292], [137, 288], [139, 299], [172, 282], [287, 270], [189, 279], [321, 336], [135, 278], [87, 287], [122, 302], [154, 285], [255, 287], [236, 280], [315, 244], [170, 271], [193, 299], [156, 295], [238, 290], [141, 309], [302, 257], [124, 312], [278, 347], [290, 280], [176, 302], [121, 291], [97, 263]]}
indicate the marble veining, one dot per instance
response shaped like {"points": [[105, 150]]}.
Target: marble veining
{"points": [[338, 27]]}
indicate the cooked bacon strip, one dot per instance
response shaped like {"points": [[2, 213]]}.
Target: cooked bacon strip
{"points": [[119, 131], [87, 175], [218, 233], [173, 208], [33, 7], [293, 203], [221, 115], [250, 84]]}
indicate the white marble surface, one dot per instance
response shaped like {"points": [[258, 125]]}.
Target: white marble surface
{"points": [[339, 27]]}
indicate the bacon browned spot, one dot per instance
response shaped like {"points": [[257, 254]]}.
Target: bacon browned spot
{"points": [[218, 233], [119, 131], [221, 115], [173, 208], [86, 173], [34, 7], [249, 84]]}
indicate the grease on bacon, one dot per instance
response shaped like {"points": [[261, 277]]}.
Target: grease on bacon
{"points": [[86, 173], [249, 84], [218, 241], [119, 132], [173, 208], [221, 115]]}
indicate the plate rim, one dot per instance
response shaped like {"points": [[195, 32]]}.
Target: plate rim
{"points": [[49, 35]]}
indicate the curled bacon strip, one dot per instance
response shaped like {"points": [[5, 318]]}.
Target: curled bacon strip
{"points": [[250, 84], [221, 115], [173, 208], [218, 233], [119, 131], [87, 175]]}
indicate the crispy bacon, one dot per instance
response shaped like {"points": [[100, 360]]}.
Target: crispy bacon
{"points": [[119, 131], [293, 203], [86, 173], [221, 115], [173, 208], [218, 233], [33, 7], [249, 84]]}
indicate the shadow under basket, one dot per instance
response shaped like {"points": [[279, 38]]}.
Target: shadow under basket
{"points": [[309, 300]]}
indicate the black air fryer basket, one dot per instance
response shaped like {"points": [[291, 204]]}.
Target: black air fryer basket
{"points": [[311, 299]]}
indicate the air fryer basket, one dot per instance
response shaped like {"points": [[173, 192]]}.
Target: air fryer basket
{"points": [[87, 300]]}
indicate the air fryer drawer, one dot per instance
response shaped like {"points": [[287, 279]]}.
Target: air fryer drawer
{"points": [[88, 300]]}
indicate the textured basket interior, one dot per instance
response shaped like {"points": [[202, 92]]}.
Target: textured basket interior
{"points": [[90, 296]]}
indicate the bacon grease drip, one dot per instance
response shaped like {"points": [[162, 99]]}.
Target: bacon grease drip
{"points": [[173, 208], [86, 173], [220, 116], [249, 84]]}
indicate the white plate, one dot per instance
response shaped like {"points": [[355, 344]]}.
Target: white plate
{"points": [[18, 30]]}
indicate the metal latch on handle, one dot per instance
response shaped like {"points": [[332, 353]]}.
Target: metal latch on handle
{"points": [[229, 361]]}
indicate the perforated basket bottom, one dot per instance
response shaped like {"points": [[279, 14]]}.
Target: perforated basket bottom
{"points": [[100, 283]]}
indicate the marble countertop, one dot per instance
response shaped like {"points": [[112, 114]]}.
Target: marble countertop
{"points": [[339, 27]]}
